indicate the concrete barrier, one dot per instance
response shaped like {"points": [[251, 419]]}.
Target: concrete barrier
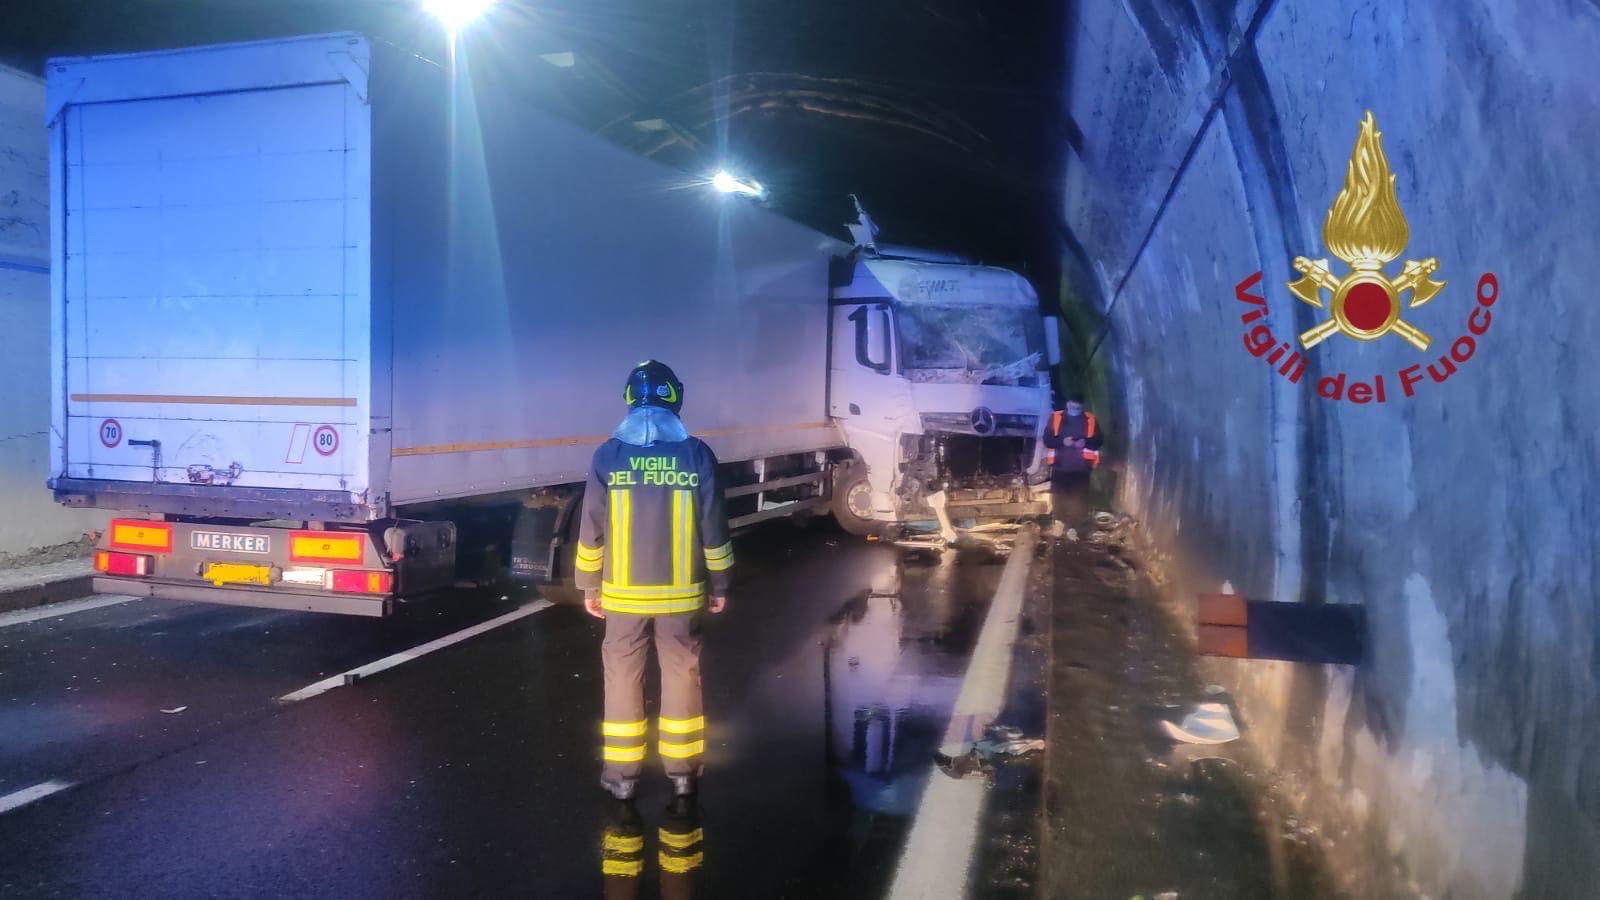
{"points": [[29, 516]]}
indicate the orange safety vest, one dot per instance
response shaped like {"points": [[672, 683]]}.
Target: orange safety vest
{"points": [[1092, 456]]}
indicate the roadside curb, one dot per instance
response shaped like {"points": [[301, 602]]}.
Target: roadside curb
{"points": [[47, 589]]}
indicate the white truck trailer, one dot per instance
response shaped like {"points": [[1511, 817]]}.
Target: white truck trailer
{"points": [[319, 302]]}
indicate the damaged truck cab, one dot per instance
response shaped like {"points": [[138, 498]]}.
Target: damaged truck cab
{"points": [[940, 384]]}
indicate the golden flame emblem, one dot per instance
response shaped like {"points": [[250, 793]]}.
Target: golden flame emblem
{"points": [[1367, 230]]}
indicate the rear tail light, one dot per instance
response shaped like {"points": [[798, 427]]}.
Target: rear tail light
{"points": [[121, 563], [134, 534], [355, 581]]}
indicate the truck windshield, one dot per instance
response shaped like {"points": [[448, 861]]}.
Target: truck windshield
{"points": [[971, 344]]}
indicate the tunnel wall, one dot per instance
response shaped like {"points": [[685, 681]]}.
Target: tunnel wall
{"points": [[29, 517], [1206, 142]]}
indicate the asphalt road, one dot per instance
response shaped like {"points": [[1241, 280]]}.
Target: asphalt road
{"points": [[174, 769]]}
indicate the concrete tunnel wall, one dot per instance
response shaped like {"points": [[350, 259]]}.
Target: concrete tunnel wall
{"points": [[29, 516], [1206, 143]]}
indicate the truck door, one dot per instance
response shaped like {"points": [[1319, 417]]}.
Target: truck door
{"points": [[870, 402], [215, 287]]}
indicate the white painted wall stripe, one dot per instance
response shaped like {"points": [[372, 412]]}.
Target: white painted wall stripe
{"points": [[19, 799], [57, 610], [939, 851], [389, 662]]}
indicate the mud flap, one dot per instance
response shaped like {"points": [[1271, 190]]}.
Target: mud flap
{"points": [[534, 544]]}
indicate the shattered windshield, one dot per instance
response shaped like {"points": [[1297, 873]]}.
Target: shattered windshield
{"points": [[974, 344]]}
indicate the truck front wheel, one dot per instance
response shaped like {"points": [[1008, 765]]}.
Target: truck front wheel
{"points": [[852, 501]]}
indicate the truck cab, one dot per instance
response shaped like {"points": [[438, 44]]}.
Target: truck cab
{"points": [[940, 383]]}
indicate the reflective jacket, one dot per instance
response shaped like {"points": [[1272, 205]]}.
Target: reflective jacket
{"points": [[653, 534], [1065, 459]]}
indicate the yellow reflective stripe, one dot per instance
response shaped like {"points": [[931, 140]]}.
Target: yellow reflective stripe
{"points": [[621, 532], [624, 729], [627, 868], [651, 607], [681, 840], [674, 750], [623, 843], [651, 591], [587, 552], [679, 865], [588, 565], [623, 754], [679, 576], [682, 726], [720, 559]]}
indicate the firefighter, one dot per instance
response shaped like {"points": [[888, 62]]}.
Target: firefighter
{"points": [[1073, 439], [652, 543]]}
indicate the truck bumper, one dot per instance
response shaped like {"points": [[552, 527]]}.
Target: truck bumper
{"points": [[241, 596]]}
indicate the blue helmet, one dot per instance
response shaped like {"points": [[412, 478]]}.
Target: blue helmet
{"points": [[653, 384]]}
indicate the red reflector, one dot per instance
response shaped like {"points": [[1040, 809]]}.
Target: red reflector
{"points": [[360, 581], [121, 563]]}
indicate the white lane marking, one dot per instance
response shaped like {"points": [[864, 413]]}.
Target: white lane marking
{"points": [[389, 662], [56, 610], [944, 834], [19, 799]]}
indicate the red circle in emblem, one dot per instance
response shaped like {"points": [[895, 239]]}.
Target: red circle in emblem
{"points": [[1367, 306], [325, 440], [111, 432]]}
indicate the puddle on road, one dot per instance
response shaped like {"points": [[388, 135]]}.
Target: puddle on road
{"points": [[833, 707], [870, 701]]}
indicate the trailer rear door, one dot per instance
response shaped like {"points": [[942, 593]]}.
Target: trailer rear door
{"points": [[214, 262]]}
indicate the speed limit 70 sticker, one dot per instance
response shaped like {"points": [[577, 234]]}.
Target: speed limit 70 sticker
{"points": [[111, 432]]}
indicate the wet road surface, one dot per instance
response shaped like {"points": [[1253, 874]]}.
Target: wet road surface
{"points": [[472, 770]]}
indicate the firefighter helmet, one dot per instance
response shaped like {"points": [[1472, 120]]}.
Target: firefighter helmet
{"points": [[653, 383]]}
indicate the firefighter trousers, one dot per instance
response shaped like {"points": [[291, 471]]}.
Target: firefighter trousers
{"points": [[680, 729]]}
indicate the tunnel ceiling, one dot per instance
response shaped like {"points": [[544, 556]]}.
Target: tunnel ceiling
{"points": [[940, 114]]}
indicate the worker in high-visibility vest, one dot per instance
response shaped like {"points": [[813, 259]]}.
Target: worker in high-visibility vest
{"points": [[1073, 440], [652, 542]]}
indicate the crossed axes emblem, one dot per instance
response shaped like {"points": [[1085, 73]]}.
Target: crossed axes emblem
{"points": [[1367, 229]]}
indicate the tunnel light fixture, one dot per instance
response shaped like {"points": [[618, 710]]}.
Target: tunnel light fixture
{"points": [[455, 14], [727, 183]]}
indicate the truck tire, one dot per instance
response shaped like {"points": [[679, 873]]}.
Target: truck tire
{"points": [[852, 496]]}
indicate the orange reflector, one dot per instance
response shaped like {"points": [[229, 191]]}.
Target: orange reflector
{"points": [[121, 563], [326, 546], [1224, 640], [359, 582], [133, 534], [1223, 609]]}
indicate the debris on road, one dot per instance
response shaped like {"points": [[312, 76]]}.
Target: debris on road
{"points": [[175, 710], [1208, 723]]}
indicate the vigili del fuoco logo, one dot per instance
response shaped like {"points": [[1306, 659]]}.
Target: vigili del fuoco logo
{"points": [[1366, 230]]}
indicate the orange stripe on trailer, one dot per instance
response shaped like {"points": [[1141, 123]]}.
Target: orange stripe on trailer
{"points": [[213, 400], [1223, 609], [326, 546], [134, 534], [1224, 640]]}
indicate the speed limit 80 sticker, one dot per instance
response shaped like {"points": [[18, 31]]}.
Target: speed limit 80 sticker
{"points": [[325, 440]]}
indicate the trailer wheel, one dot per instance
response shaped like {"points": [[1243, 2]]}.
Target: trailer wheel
{"points": [[852, 501]]}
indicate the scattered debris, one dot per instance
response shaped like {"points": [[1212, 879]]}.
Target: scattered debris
{"points": [[1208, 723], [175, 710]]}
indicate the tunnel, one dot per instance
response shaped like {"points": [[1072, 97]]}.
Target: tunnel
{"points": [[1298, 251]]}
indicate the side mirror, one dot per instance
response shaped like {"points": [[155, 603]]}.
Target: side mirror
{"points": [[1052, 340]]}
